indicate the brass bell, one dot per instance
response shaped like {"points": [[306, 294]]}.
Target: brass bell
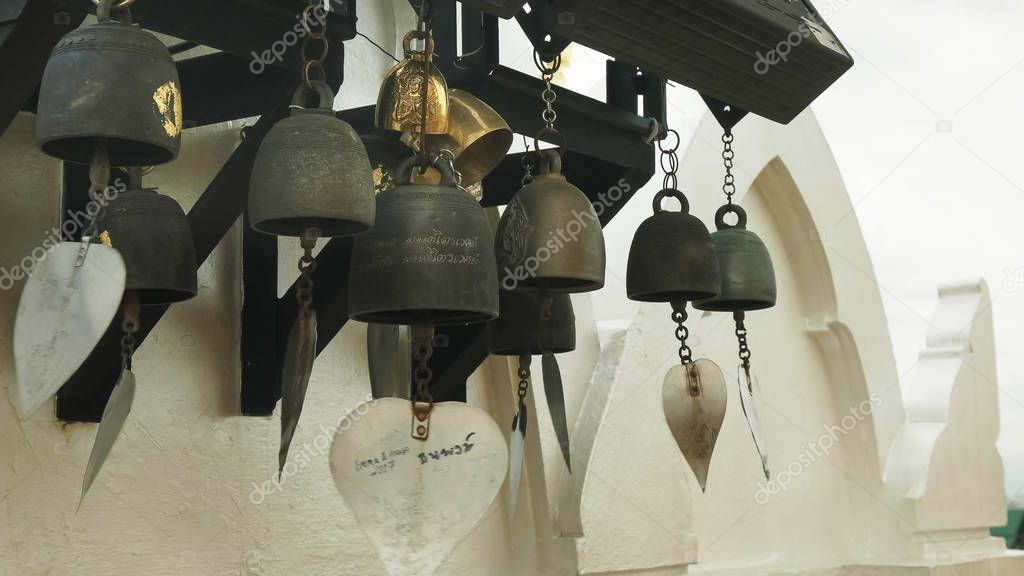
{"points": [[311, 172], [477, 136], [113, 82], [672, 258], [152, 234], [747, 274], [549, 237], [522, 328], [429, 260], [400, 100]]}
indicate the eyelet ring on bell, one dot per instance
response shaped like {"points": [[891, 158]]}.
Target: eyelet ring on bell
{"points": [[560, 145], [105, 8], [683, 202], [323, 91], [428, 40], [403, 172], [741, 217], [117, 6]]}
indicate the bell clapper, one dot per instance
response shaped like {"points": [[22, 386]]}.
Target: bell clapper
{"points": [[423, 402], [99, 177]]}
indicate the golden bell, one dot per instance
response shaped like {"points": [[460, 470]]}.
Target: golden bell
{"points": [[400, 100], [477, 136]]}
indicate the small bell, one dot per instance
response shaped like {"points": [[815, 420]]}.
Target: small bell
{"points": [[429, 260], [152, 234], [400, 102], [311, 172], [113, 82], [672, 258], [745, 267], [530, 324], [549, 237]]}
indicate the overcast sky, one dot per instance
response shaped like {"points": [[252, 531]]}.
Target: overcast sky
{"points": [[924, 131]]}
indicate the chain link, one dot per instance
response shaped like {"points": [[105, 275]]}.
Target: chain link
{"points": [[129, 326], [99, 178], [682, 332], [729, 186], [421, 352], [307, 265], [741, 337], [548, 95], [669, 160], [315, 29], [524, 377]]}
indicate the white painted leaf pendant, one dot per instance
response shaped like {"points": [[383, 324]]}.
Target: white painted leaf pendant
{"points": [[749, 390], [63, 312], [416, 500], [115, 414], [694, 398]]}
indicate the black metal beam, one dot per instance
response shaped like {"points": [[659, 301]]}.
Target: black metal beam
{"points": [[261, 361], [25, 45], [84, 396], [246, 28]]}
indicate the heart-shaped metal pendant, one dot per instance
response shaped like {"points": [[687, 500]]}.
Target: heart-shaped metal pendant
{"points": [[749, 388], [416, 500], [64, 310], [694, 398], [297, 367]]}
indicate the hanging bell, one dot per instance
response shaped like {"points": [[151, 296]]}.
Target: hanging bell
{"points": [[429, 260], [549, 237], [115, 82], [311, 171], [747, 274], [672, 258], [521, 328], [153, 236], [400, 105], [477, 136]]}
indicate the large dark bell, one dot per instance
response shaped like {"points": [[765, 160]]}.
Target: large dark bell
{"points": [[153, 236], [549, 237], [429, 260], [311, 171], [748, 277], [110, 81], [672, 258], [522, 329]]}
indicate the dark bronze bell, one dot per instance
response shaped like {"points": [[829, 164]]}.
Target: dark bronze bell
{"points": [[115, 82], [429, 260], [522, 328], [748, 277], [153, 236], [672, 258], [549, 237], [312, 172]]}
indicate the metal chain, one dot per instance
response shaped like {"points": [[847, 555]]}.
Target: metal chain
{"points": [[741, 337], [315, 30], [524, 377], [129, 326], [669, 160], [729, 186], [422, 350], [448, 157], [682, 332], [548, 95], [307, 265]]}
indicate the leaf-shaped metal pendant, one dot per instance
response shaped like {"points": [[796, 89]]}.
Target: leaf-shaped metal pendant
{"points": [[297, 367], [694, 398], [415, 500], [517, 444], [749, 388], [388, 350], [119, 405], [556, 404], [63, 312]]}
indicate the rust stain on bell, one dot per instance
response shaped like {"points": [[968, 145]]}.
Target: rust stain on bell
{"points": [[168, 103]]}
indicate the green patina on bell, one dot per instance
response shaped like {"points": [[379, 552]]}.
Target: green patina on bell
{"points": [[745, 267]]}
